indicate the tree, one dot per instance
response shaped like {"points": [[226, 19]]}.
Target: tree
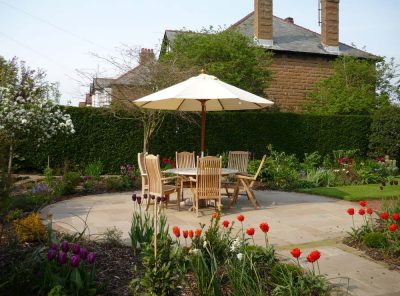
{"points": [[26, 107], [228, 54], [147, 77], [356, 86]]}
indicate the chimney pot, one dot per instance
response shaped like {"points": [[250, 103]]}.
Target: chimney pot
{"points": [[289, 20], [146, 55]]}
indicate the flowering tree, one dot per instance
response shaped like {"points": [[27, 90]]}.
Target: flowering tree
{"points": [[27, 107]]}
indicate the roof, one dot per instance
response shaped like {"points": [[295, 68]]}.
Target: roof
{"points": [[288, 37], [135, 76]]}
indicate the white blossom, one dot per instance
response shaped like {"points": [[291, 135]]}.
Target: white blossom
{"points": [[239, 256], [205, 244]]}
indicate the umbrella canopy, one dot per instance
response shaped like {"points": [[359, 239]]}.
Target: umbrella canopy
{"points": [[203, 93]]}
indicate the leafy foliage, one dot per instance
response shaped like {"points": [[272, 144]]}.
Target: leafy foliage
{"points": [[385, 134], [227, 54], [375, 240], [351, 88], [98, 137]]}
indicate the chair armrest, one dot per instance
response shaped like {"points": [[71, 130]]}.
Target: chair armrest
{"points": [[169, 178], [249, 177], [191, 179]]}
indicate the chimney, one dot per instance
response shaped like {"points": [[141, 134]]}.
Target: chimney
{"points": [[289, 20], [263, 22], [330, 25], [146, 56]]}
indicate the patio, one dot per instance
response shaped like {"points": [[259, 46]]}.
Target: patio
{"points": [[308, 222]]}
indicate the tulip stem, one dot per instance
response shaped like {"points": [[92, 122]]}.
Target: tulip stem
{"points": [[352, 217], [298, 262], [319, 272]]}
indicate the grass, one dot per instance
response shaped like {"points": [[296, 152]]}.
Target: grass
{"points": [[356, 192]]}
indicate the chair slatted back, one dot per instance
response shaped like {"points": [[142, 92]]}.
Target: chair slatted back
{"points": [[141, 163], [238, 160], [208, 185], [258, 170], [185, 159], [154, 175]]}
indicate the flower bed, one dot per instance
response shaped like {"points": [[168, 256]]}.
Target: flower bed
{"points": [[379, 234]]}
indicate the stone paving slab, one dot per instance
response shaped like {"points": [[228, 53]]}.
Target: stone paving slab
{"points": [[367, 278], [295, 219]]}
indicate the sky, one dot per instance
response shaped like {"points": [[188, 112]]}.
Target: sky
{"points": [[64, 37]]}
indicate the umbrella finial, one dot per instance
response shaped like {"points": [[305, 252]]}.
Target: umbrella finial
{"points": [[202, 71]]}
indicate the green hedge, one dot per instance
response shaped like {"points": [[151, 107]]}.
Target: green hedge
{"points": [[99, 135]]}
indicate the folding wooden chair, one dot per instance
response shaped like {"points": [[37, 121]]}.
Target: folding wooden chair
{"points": [[246, 183], [237, 160]]}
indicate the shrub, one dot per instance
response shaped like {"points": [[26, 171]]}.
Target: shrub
{"points": [[385, 133], [375, 240], [30, 228], [70, 181], [94, 169], [257, 130], [112, 237], [114, 183]]}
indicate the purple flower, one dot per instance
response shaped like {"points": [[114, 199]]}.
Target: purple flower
{"points": [[62, 258], [145, 195], [53, 246], [134, 197], [87, 178], [139, 200], [163, 198], [153, 197], [83, 253], [91, 257], [76, 248], [64, 246], [75, 261], [158, 199], [51, 254]]}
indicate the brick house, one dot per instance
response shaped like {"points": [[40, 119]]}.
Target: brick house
{"points": [[130, 85], [300, 57]]}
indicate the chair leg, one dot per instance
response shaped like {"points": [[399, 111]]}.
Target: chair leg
{"points": [[178, 199], [166, 201], [250, 193]]}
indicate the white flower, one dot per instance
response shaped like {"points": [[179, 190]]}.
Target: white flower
{"points": [[205, 244], [239, 256], [195, 252], [235, 244]]}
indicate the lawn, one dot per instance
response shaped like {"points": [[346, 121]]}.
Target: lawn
{"points": [[356, 192]]}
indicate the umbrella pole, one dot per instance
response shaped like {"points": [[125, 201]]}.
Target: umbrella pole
{"points": [[203, 125]]}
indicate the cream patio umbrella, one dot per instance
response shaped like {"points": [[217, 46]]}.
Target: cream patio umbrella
{"points": [[202, 93]]}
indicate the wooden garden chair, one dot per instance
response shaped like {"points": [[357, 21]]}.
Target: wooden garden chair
{"points": [[246, 183], [208, 182], [143, 172], [184, 160], [157, 186], [237, 160]]}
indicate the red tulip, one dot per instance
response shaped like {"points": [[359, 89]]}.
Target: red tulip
{"points": [[264, 227], [363, 203], [313, 256], [385, 215], [295, 252], [250, 231], [215, 215], [225, 223], [392, 227], [176, 231], [197, 232], [350, 211], [395, 217], [361, 212], [240, 218], [191, 233], [369, 211], [185, 233]]}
